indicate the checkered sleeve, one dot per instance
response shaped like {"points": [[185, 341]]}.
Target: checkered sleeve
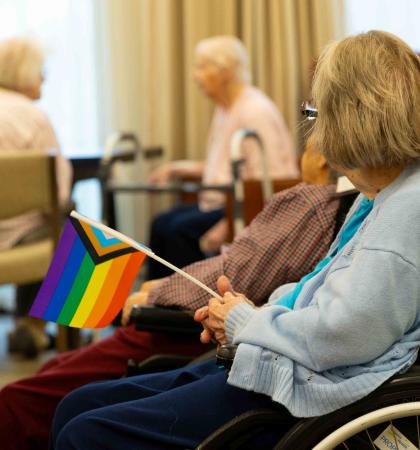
{"points": [[282, 244]]}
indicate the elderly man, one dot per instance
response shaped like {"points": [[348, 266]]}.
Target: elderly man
{"points": [[282, 243], [221, 71]]}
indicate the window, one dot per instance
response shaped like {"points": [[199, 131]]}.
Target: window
{"points": [[399, 17], [66, 30]]}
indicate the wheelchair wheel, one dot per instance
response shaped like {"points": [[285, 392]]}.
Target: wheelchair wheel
{"points": [[386, 419], [364, 429]]}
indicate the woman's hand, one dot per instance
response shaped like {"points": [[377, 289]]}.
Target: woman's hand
{"points": [[173, 169], [138, 298], [212, 240], [162, 174], [213, 316]]}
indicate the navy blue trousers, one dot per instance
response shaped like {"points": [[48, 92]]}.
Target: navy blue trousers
{"points": [[170, 410], [175, 236]]}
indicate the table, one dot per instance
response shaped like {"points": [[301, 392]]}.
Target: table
{"points": [[89, 163]]}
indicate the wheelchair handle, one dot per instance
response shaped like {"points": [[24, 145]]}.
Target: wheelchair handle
{"points": [[225, 355]]}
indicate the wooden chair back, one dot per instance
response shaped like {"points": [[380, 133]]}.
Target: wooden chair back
{"points": [[253, 199], [28, 183]]}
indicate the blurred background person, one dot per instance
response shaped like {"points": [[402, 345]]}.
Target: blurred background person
{"points": [[24, 126], [221, 71]]}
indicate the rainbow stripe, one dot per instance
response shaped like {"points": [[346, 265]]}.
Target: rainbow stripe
{"points": [[89, 278]]}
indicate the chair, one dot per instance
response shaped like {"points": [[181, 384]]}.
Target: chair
{"points": [[253, 202], [28, 183]]}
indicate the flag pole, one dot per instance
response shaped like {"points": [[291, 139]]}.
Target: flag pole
{"points": [[142, 248]]}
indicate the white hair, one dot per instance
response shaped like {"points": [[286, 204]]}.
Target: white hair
{"points": [[227, 52], [21, 63]]}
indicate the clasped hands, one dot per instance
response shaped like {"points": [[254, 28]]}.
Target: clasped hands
{"points": [[213, 316]]}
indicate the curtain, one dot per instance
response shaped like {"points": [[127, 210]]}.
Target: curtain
{"points": [[147, 57]]}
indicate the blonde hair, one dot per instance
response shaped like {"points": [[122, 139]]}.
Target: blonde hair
{"points": [[226, 52], [367, 92], [21, 63]]}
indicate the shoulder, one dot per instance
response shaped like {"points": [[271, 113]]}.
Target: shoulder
{"points": [[395, 218], [399, 202], [254, 102], [310, 194], [15, 100], [302, 199], [21, 107]]}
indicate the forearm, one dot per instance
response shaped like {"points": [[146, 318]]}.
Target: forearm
{"points": [[187, 168], [179, 291]]}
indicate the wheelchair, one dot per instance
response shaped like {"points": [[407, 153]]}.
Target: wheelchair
{"points": [[388, 418]]}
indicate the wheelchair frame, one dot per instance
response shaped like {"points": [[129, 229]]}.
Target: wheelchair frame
{"points": [[400, 397]]}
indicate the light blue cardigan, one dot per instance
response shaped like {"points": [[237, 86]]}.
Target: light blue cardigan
{"points": [[353, 326]]}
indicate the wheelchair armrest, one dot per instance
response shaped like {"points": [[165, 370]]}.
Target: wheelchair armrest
{"points": [[164, 320], [225, 355], [157, 363]]}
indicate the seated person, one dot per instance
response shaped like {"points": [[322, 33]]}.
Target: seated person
{"points": [[338, 334], [221, 71], [283, 242], [24, 126]]}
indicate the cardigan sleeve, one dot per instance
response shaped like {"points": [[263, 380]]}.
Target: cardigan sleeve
{"points": [[357, 314]]}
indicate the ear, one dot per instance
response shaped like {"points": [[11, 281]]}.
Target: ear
{"points": [[321, 162], [227, 74]]}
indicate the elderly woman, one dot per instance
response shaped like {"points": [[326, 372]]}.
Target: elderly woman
{"points": [[24, 126], [182, 234], [340, 332]]}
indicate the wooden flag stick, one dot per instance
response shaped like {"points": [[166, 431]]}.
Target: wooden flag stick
{"points": [[142, 248]]}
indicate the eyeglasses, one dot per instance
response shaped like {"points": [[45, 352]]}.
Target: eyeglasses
{"points": [[308, 111]]}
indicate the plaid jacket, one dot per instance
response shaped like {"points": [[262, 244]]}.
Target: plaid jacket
{"points": [[282, 244]]}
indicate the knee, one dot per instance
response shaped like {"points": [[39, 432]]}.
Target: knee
{"points": [[70, 407], [160, 224], [12, 397], [7, 393], [72, 436], [11, 412], [51, 363]]}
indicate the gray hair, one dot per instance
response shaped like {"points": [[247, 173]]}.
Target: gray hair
{"points": [[367, 91], [227, 52], [21, 63]]}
